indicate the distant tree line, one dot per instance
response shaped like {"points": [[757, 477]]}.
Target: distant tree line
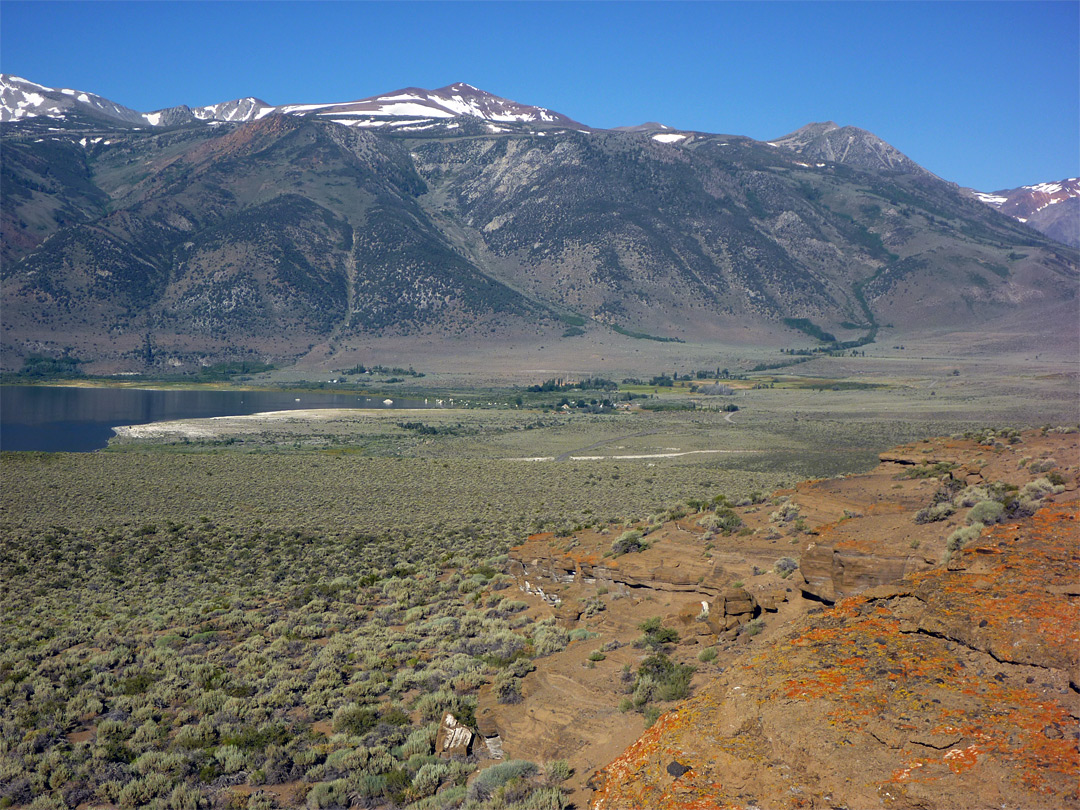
{"points": [[588, 384], [40, 365], [397, 370]]}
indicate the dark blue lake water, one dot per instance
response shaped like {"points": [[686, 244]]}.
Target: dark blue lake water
{"points": [[78, 420]]}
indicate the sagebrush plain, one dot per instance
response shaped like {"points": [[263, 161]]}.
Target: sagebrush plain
{"points": [[273, 611]]}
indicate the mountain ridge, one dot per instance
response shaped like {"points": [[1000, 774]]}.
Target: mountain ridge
{"points": [[848, 145], [291, 235], [21, 99], [1051, 208]]}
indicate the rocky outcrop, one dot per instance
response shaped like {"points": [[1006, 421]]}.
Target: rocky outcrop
{"points": [[453, 740], [672, 563], [880, 539], [956, 689], [945, 670], [832, 572], [957, 685]]}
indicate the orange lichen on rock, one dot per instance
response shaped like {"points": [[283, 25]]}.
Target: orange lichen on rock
{"points": [[957, 687]]}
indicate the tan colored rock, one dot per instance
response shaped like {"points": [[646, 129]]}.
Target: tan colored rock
{"points": [[816, 567], [957, 688], [737, 601], [453, 740]]}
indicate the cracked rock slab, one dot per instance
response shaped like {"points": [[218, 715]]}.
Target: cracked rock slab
{"points": [[954, 688]]}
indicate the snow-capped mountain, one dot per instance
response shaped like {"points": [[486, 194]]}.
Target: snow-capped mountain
{"points": [[21, 99], [1050, 208], [1022, 203], [419, 106], [243, 228], [462, 109], [240, 110], [411, 108]]}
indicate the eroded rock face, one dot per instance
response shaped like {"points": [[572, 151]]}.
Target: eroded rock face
{"points": [[673, 563], [878, 541], [957, 687]]}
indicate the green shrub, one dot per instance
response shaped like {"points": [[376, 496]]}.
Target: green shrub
{"points": [[446, 798], [727, 520], [420, 741], [490, 779], [140, 791], [785, 514], [785, 566], [354, 719], [986, 512], [259, 800], [654, 635], [429, 777], [934, 512], [558, 771], [629, 542], [186, 797], [328, 794], [582, 633], [507, 687], [1041, 487], [961, 537], [658, 676], [651, 715], [549, 638]]}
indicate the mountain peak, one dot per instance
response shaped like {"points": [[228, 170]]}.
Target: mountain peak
{"points": [[411, 107], [851, 146], [21, 99], [463, 87], [415, 107], [648, 126]]}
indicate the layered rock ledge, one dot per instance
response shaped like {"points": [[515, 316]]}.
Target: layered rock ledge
{"points": [[947, 682]]}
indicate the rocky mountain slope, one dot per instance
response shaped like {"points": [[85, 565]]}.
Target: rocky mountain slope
{"points": [[300, 232], [1050, 208], [848, 145], [915, 662]]}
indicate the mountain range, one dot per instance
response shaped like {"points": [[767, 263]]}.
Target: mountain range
{"points": [[1050, 208], [243, 229]]}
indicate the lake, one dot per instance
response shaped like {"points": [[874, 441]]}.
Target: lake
{"points": [[79, 420]]}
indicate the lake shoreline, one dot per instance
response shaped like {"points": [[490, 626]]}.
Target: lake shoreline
{"points": [[79, 418]]}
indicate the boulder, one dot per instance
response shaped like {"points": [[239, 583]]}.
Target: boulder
{"points": [[737, 601], [453, 740]]}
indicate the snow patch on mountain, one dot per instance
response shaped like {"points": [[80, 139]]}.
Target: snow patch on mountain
{"points": [[22, 99], [990, 199], [1040, 207]]}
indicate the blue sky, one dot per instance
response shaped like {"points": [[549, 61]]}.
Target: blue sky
{"points": [[986, 94]]}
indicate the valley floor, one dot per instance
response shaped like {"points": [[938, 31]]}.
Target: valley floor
{"points": [[256, 610]]}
